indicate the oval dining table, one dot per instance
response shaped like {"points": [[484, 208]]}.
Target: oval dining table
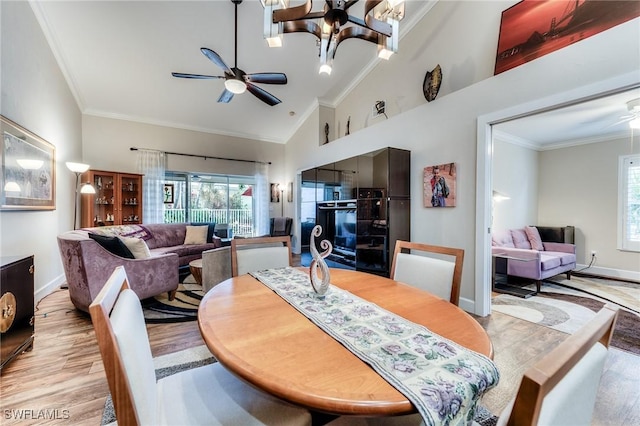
{"points": [[262, 339]]}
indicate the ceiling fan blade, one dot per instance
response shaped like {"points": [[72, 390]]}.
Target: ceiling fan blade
{"points": [[216, 59], [225, 97], [196, 76], [267, 78], [263, 95]]}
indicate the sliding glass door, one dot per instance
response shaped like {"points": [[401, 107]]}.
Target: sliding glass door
{"points": [[211, 198]]}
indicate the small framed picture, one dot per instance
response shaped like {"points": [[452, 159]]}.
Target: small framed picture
{"points": [[336, 195], [290, 192], [168, 193], [439, 185], [275, 193]]}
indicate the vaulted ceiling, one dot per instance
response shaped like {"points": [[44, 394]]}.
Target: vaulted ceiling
{"points": [[117, 57]]}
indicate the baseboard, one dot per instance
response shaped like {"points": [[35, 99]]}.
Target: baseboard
{"points": [[467, 305], [49, 288], [608, 272]]}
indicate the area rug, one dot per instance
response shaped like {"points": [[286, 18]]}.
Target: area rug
{"points": [[195, 357], [184, 307], [567, 310], [625, 294]]}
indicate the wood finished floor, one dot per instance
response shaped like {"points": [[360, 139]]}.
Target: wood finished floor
{"points": [[62, 381]]}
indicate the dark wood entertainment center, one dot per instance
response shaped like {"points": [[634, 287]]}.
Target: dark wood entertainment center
{"points": [[363, 205]]}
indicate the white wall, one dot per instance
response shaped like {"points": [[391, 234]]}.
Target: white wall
{"points": [[579, 186], [461, 36], [515, 174], [36, 96], [106, 143], [445, 130]]}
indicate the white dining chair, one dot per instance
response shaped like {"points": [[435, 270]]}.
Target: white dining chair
{"points": [[255, 254], [561, 388], [437, 269], [207, 395]]}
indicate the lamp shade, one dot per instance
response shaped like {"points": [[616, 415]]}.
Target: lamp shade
{"points": [[29, 164], [87, 188], [77, 167]]}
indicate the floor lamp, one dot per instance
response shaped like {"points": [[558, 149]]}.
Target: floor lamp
{"points": [[85, 188]]}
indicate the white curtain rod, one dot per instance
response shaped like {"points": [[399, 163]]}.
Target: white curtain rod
{"points": [[201, 156]]}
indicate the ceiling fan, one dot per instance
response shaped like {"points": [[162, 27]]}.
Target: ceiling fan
{"points": [[633, 107], [236, 80]]}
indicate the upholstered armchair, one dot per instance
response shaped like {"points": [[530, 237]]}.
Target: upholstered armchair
{"points": [[280, 226]]}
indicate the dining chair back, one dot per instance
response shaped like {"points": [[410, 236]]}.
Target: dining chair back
{"points": [[203, 395], [255, 254], [562, 387], [437, 269]]}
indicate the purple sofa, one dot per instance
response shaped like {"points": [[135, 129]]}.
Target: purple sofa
{"points": [[87, 265], [548, 251]]}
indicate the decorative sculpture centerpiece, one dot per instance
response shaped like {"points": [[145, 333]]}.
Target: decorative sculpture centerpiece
{"points": [[320, 285]]}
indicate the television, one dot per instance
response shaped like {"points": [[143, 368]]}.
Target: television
{"points": [[344, 239]]}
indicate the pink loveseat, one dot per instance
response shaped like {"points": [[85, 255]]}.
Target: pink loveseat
{"points": [[545, 251], [88, 265]]}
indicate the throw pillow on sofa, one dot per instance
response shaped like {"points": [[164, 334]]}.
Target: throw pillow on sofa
{"points": [[210, 231], [520, 239], [137, 246], [113, 245], [534, 237], [196, 235]]}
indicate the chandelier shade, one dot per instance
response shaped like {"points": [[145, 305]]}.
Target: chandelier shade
{"points": [[334, 24]]}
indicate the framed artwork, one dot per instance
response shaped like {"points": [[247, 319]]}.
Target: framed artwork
{"points": [[533, 28], [28, 179], [290, 192], [168, 193], [439, 185], [275, 193]]}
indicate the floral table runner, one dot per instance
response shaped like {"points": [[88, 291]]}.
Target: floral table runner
{"points": [[442, 379]]}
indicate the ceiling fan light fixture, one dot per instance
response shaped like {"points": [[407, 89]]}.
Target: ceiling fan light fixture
{"points": [[635, 123], [235, 86]]}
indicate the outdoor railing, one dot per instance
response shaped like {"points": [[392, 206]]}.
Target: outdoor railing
{"points": [[240, 220]]}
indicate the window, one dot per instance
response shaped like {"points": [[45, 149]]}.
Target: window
{"points": [[629, 203], [211, 198]]}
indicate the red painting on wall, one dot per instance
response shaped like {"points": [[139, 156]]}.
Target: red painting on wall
{"points": [[534, 28]]}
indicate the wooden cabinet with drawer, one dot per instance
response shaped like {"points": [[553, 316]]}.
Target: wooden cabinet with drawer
{"points": [[17, 307]]}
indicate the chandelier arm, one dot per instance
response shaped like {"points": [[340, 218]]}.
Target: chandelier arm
{"points": [[373, 23], [292, 13], [303, 26], [349, 4], [356, 32]]}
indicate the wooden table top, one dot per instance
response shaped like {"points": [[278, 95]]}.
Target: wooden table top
{"points": [[258, 336]]}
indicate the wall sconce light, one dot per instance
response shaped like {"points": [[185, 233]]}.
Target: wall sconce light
{"points": [[85, 188]]}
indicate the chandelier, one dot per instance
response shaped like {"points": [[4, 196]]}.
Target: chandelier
{"points": [[334, 24]]}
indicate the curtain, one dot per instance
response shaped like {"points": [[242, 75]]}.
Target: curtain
{"points": [[261, 200], [152, 165]]}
